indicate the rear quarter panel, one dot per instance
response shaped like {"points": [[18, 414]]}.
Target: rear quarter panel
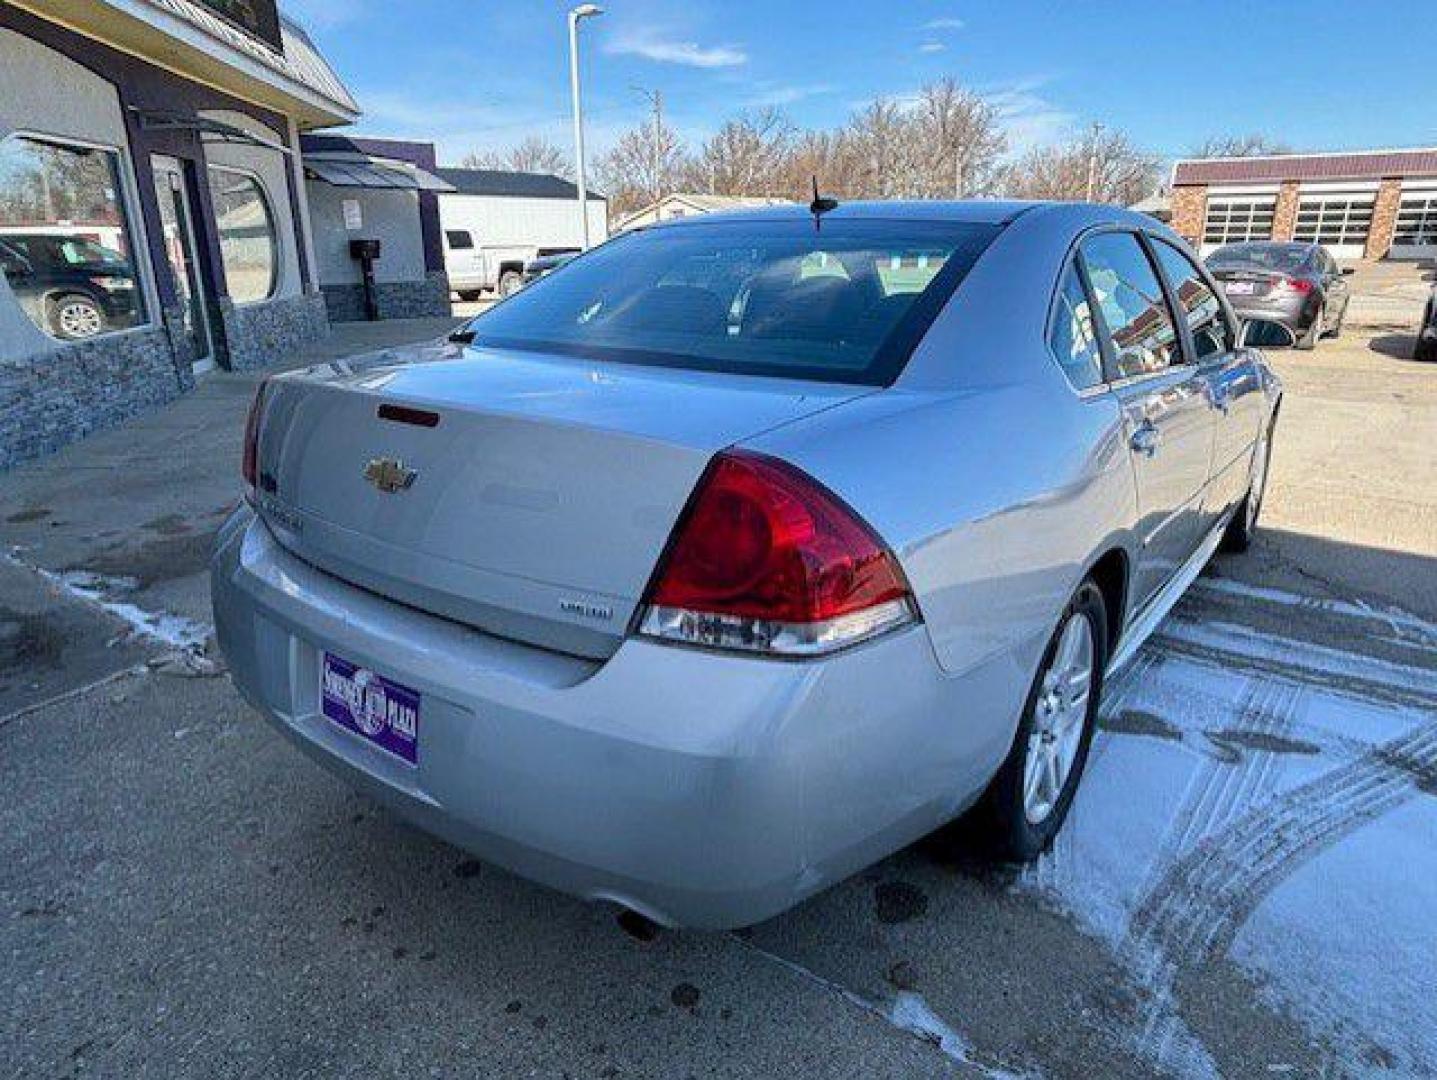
{"points": [[996, 502]]}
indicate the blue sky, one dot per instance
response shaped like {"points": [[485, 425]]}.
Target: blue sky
{"points": [[480, 74]]}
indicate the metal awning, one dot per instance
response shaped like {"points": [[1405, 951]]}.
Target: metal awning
{"points": [[362, 171], [163, 120]]}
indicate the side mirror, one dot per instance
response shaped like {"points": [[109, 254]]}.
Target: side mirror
{"points": [[1347, 271], [1266, 334]]}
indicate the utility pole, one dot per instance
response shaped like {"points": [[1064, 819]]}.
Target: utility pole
{"points": [[656, 101], [1093, 160]]}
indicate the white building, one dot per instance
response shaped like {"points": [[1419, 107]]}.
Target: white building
{"points": [[687, 204]]}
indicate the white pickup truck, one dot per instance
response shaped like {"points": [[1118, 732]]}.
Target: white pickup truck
{"points": [[495, 223], [473, 268]]}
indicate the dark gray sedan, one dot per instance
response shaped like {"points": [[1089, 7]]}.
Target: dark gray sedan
{"points": [[1298, 285]]}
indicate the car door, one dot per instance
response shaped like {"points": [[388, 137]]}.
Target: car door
{"points": [[1230, 377], [463, 261], [1168, 419]]}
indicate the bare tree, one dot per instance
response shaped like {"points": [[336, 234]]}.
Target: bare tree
{"points": [[744, 157], [959, 140], [1104, 167], [642, 167], [879, 154], [532, 155], [1253, 145]]}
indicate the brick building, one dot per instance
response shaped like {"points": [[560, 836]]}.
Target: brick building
{"points": [[1371, 204]]}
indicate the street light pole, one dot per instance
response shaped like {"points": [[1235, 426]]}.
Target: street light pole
{"points": [[583, 11]]}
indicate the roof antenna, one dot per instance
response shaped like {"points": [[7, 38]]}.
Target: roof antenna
{"points": [[821, 204]]}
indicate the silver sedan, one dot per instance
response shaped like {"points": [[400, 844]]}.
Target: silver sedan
{"points": [[743, 550]]}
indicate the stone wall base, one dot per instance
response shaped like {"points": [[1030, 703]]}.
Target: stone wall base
{"points": [[397, 299], [55, 397], [257, 335]]}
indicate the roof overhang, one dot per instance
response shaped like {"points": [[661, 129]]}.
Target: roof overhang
{"points": [[190, 40], [351, 170]]}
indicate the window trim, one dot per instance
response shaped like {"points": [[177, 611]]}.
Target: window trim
{"points": [[1105, 338], [132, 209], [1150, 241], [276, 277]]}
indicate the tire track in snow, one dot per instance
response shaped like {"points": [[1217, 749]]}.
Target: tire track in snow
{"points": [[1192, 916]]}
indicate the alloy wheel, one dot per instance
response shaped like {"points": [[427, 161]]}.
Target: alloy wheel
{"points": [[79, 319], [1059, 717]]}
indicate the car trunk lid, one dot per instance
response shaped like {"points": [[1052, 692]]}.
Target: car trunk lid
{"points": [[527, 495]]}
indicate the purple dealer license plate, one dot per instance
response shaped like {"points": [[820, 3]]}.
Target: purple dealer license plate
{"points": [[382, 711]]}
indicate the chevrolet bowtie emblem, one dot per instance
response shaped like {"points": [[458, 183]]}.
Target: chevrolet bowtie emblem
{"points": [[389, 474]]}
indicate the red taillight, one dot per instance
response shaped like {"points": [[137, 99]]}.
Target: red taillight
{"points": [[250, 466], [768, 560], [1297, 285]]}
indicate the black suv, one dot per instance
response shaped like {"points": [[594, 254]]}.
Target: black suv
{"points": [[70, 286]]}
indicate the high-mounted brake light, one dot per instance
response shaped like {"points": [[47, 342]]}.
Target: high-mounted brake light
{"points": [[767, 560], [250, 466]]}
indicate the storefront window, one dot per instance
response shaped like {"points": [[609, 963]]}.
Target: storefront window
{"points": [[248, 243], [65, 245]]}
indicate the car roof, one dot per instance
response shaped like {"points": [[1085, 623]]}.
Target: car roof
{"points": [[977, 211]]}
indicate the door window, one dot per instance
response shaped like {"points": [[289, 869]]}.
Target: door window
{"points": [[1200, 307], [459, 239], [1127, 292], [1072, 336]]}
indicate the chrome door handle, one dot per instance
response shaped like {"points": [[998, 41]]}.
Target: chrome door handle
{"points": [[1145, 439]]}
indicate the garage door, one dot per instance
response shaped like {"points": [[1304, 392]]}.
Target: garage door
{"points": [[1338, 220], [1415, 234], [1236, 218]]}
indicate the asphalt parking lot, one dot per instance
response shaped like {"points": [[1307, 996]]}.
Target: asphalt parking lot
{"points": [[1244, 888]]}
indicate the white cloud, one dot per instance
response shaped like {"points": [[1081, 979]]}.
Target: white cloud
{"points": [[651, 46], [324, 14], [1027, 118], [944, 24], [770, 95], [932, 47]]}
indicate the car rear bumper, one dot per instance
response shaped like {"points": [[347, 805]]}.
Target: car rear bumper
{"points": [[1293, 310], [698, 788]]}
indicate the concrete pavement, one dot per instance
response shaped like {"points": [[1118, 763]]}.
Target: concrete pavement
{"points": [[185, 895]]}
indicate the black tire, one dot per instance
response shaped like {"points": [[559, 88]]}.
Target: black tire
{"points": [[510, 282], [1314, 330], [75, 317], [470, 295], [1426, 349], [1242, 528], [1001, 813]]}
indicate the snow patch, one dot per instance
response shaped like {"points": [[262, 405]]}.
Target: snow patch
{"points": [[98, 590]]}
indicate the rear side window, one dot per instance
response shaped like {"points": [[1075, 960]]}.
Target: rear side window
{"points": [[1127, 292], [1200, 307], [458, 239], [844, 300], [1072, 337]]}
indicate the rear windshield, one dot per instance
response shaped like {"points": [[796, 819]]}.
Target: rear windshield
{"points": [[836, 301], [1269, 256]]}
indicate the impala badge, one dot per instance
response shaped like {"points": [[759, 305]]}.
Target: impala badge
{"points": [[389, 474]]}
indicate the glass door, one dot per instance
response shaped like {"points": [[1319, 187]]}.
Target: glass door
{"points": [[177, 220]]}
